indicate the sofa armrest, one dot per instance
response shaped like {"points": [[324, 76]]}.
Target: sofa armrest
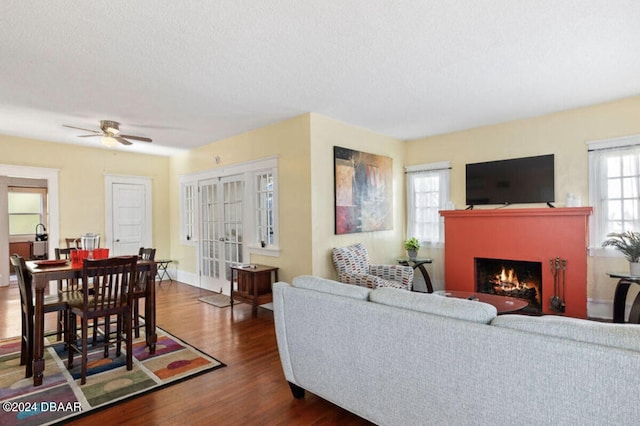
{"points": [[394, 273], [279, 290]]}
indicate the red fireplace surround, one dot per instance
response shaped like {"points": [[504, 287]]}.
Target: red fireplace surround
{"points": [[535, 235]]}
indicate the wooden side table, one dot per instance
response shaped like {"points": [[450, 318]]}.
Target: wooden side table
{"points": [[253, 284]]}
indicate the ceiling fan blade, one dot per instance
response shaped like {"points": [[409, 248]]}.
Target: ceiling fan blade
{"points": [[122, 140], [136, 138], [89, 136], [80, 128]]}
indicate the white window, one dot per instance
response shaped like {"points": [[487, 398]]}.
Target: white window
{"points": [[188, 211], [265, 226], [27, 208], [427, 194], [614, 186], [260, 207]]}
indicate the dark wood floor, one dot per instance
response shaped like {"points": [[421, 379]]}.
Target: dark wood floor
{"points": [[250, 390]]}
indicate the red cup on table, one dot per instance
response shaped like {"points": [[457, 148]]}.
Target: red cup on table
{"points": [[100, 253], [75, 256], [84, 254]]}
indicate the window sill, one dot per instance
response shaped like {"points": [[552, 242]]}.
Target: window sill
{"points": [[273, 251], [603, 252]]}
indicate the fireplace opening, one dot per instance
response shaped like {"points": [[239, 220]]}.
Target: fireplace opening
{"points": [[513, 278]]}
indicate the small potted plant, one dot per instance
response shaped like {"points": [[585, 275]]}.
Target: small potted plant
{"points": [[412, 245], [627, 243]]}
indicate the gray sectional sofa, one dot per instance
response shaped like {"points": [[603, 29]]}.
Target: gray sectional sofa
{"points": [[402, 358]]}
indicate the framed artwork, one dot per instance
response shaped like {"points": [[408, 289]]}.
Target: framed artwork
{"points": [[363, 191]]}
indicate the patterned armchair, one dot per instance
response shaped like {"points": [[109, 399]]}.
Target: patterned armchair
{"points": [[352, 264]]}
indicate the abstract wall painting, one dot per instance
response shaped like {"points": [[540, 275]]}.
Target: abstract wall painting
{"points": [[363, 191]]}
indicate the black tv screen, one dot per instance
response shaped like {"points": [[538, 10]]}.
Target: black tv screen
{"points": [[513, 181]]}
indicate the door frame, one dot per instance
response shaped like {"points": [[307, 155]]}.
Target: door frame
{"points": [[247, 169], [109, 180], [53, 207]]}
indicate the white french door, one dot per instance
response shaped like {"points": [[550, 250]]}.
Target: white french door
{"points": [[221, 231]]}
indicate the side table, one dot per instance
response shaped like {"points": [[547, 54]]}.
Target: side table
{"points": [[253, 284], [620, 297], [162, 269], [418, 263]]}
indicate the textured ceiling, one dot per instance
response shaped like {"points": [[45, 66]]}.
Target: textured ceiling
{"points": [[188, 73]]}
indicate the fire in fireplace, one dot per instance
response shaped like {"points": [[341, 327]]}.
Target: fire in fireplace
{"points": [[514, 278]]}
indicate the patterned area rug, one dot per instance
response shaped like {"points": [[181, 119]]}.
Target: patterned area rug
{"points": [[219, 300], [61, 397]]}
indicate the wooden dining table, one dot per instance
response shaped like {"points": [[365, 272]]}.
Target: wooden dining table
{"points": [[43, 274]]}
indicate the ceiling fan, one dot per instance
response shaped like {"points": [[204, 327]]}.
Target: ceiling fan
{"points": [[110, 132]]}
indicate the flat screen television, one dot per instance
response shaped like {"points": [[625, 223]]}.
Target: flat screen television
{"points": [[513, 181]]}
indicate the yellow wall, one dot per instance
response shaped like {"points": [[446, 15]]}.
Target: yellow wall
{"points": [[383, 246], [304, 147], [81, 182], [563, 134], [289, 141]]}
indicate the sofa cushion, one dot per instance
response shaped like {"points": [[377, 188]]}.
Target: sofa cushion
{"points": [[463, 309], [332, 287], [624, 336]]}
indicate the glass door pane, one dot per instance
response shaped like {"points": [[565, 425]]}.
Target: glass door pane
{"points": [[209, 235], [233, 191], [221, 231]]}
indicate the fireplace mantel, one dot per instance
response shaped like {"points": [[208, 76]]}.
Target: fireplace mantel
{"points": [[506, 212], [536, 234]]}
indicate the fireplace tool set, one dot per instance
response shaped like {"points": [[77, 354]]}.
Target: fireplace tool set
{"points": [[558, 269]]}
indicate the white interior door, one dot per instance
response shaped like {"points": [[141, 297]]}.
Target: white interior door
{"points": [[129, 221], [221, 232]]}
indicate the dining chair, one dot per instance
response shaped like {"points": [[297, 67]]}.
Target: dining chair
{"points": [[72, 242], [52, 303], [140, 290], [66, 285], [112, 281]]}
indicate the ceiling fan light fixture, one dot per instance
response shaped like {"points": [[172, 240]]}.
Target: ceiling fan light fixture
{"points": [[109, 141], [109, 134], [113, 131]]}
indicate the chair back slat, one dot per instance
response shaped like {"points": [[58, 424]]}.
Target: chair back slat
{"points": [[147, 253], [71, 283], [141, 284], [111, 281], [64, 253], [24, 283], [72, 242]]}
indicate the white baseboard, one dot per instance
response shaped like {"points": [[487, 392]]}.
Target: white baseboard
{"points": [[192, 279], [600, 308], [185, 277]]}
